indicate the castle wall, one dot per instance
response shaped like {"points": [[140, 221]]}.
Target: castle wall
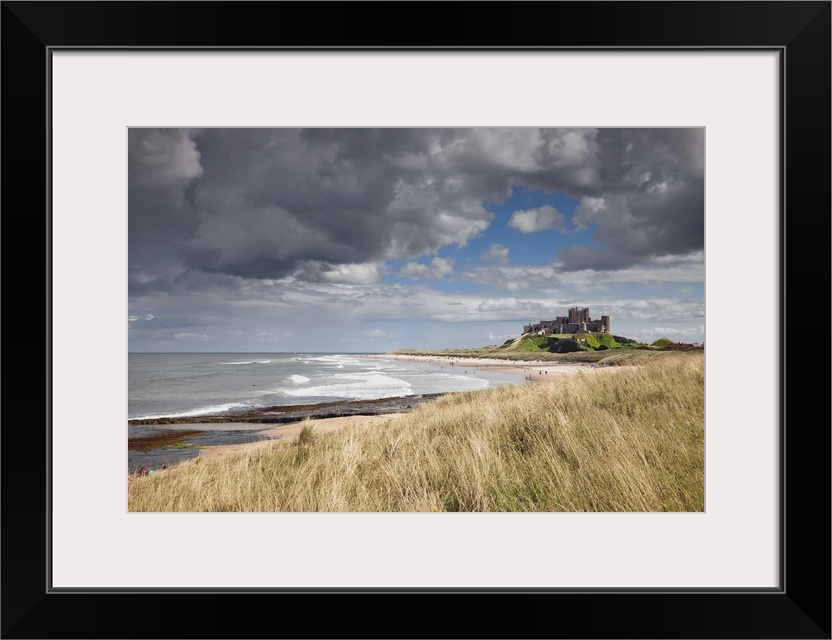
{"points": [[578, 321]]}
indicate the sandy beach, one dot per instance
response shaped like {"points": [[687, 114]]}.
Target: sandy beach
{"points": [[528, 370]]}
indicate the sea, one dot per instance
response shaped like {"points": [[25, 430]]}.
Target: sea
{"points": [[179, 385]]}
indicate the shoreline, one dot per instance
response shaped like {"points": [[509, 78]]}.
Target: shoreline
{"points": [[208, 436], [153, 444], [283, 414], [527, 369], [530, 370]]}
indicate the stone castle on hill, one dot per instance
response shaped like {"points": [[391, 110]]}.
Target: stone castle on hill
{"points": [[578, 321]]}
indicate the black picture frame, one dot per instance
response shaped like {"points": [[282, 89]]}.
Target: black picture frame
{"points": [[799, 608]]}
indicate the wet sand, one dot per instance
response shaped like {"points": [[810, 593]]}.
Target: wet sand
{"points": [[531, 369]]}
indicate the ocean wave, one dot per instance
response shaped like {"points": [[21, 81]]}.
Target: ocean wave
{"points": [[336, 360], [297, 379], [357, 386], [249, 362], [202, 411]]}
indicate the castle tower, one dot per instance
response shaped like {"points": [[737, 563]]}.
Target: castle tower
{"points": [[577, 315], [605, 321]]}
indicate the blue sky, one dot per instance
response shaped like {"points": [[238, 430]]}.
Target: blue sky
{"points": [[501, 241], [371, 240]]}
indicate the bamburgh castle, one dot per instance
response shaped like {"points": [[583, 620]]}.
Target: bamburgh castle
{"points": [[578, 321]]}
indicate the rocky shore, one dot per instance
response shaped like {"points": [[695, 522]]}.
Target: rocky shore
{"points": [[294, 413], [159, 443]]}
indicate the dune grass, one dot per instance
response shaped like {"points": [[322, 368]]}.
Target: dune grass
{"points": [[618, 439]]}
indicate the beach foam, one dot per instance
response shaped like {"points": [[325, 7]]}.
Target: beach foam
{"points": [[358, 386]]}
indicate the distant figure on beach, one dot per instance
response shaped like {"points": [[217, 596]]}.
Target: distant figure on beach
{"points": [[142, 472]]}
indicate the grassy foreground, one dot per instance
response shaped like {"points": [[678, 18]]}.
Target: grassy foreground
{"points": [[623, 439]]}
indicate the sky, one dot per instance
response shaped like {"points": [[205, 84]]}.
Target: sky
{"points": [[370, 240]]}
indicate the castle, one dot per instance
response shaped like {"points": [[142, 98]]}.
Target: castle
{"points": [[578, 321]]}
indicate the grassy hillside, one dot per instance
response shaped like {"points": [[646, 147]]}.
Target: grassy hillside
{"points": [[530, 346], [627, 439], [536, 343], [597, 340], [586, 342], [661, 342]]}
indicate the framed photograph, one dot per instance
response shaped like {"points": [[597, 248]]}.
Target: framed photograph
{"points": [[87, 84]]}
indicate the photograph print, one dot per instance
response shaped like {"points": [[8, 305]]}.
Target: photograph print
{"points": [[416, 320]]}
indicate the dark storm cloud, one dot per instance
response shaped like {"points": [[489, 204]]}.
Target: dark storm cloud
{"points": [[641, 191], [651, 201], [331, 205], [181, 281], [162, 164], [270, 201]]}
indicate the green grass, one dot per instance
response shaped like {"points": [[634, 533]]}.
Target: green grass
{"points": [[588, 341], [595, 340], [530, 346], [538, 343], [661, 342]]}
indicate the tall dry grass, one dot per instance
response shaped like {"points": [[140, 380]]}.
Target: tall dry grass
{"points": [[623, 439]]}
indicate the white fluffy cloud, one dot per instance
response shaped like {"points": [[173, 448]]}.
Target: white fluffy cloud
{"points": [[513, 278], [496, 253], [436, 270], [313, 271], [534, 220], [509, 304]]}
